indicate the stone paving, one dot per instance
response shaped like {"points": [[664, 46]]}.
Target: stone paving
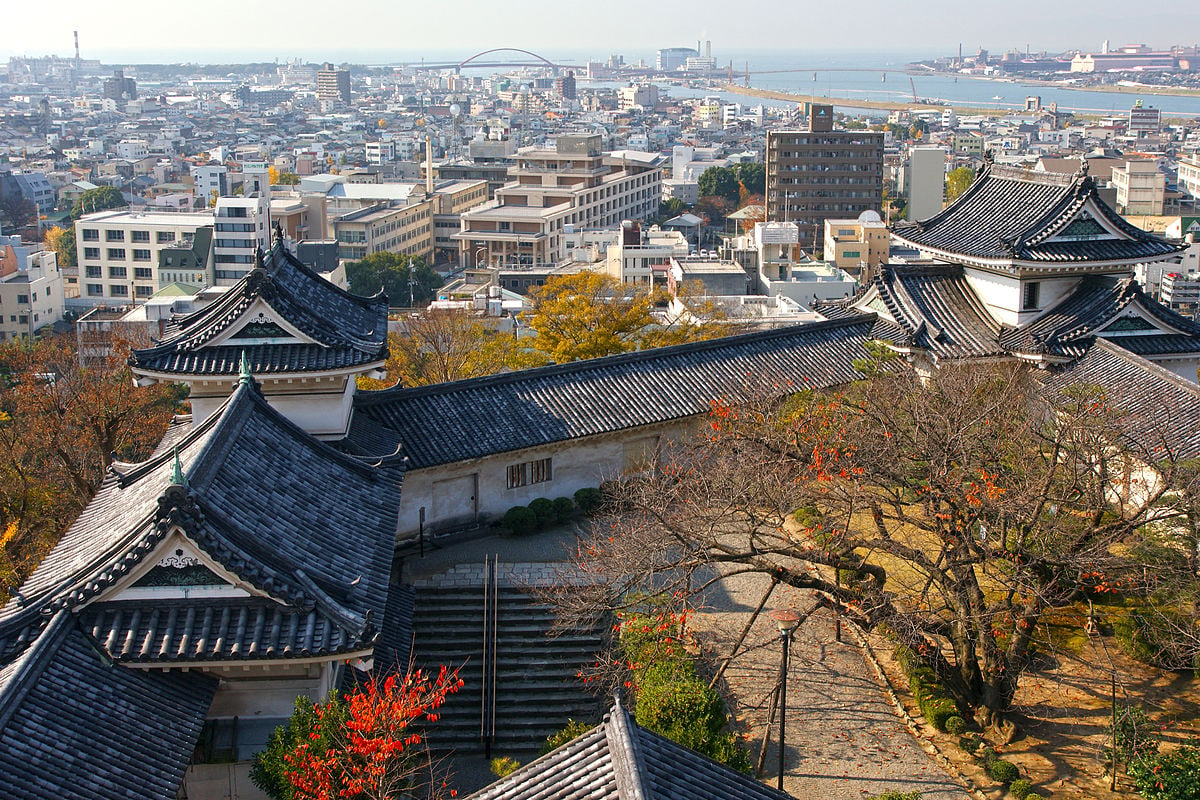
{"points": [[844, 739]]}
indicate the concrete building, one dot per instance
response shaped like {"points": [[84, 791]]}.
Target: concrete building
{"points": [[637, 256], [242, 226], [821, 173], [572, 184], [926, 181], [1189, 174], [1141, 187], [1181, 291], [407, 230], [118, 251], [1144, 121], [644, 96], [31, 288], [333, 84], [209, 178], [857, 246], [670, 59]]}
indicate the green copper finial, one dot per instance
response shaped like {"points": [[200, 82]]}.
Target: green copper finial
{"points": [[244, 374], [177, 476]]}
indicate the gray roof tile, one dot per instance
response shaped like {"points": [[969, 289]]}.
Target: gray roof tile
{"points": [[449, 422]]}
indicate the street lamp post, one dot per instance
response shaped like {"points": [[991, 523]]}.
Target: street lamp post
{"points": [[786, 621]]}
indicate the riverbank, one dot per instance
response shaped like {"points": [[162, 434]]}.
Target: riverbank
{"points": [[1144, 89], [867, 105]]}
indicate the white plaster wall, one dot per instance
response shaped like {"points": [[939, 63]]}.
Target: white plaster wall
{"points": [[1183, 367], [577, 464], [323, 414], [1002, 295]]}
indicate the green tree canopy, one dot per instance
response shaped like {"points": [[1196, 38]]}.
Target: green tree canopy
{"points": [[101, 198], [753, 175], [958, 181], [403, 278], [720, 182]]}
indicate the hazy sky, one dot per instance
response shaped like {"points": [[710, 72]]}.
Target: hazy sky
{"points": [[169, 30]]}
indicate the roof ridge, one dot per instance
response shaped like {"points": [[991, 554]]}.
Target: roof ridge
{"points": [[366, 301], [621, 732], [372, 398]]}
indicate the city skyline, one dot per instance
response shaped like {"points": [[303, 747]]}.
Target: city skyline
{"points": [[144, 31]]}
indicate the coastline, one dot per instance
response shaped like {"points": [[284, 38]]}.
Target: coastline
{"points": [[868, 105], [1144, 89]]}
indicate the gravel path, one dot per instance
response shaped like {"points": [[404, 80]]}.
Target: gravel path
{"points": [[844, 740]]}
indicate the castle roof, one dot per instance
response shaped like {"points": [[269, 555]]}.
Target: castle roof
{"points": [[448, 422], [284, 316], [934, 308], [310, 551], [1037, 218], [619, 760]]}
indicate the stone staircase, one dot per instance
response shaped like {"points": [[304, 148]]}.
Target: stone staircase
{"points": [[537, 688]]}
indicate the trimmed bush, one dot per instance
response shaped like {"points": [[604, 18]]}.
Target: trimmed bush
{"points": [[970, 743], [684, 709], [519, 521], [1174, 775], [1003, 771], [1020, 789], [588, 500], [503, 766], [956, 725], [564, 509], [932, 698], [896, 796], [543, 509]]}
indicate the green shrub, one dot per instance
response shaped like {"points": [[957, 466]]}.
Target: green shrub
{"points": [[1174, 775], [588, 500], [673, 702], [564, 509], [519, 521], [894, 795], [932, 698], [1137, 736], [543, 509], [956, 725], [503, 766], [1003, 771], [970, 743], [1020, 789], [305, 726], [574, 730]]}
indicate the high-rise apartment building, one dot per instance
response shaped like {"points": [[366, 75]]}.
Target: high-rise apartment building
{"points": [[242, 226], [333, 83], [821, 173]]}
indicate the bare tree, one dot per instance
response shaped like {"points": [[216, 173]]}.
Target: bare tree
{"points": [[954, 510]]}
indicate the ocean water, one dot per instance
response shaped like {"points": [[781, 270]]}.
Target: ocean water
{"points": [[812, 73]]}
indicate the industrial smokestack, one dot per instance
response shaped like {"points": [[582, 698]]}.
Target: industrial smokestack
{"points": [[76, 45], [708, 48], [428, 165]]}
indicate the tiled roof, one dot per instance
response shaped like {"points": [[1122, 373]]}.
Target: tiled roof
{"points": [[1010, 213], [935, 309], [449, 422], [219, 629], [1069, 328], [348, 330], [289, 515], [72, 725], [618, 760], [1161, 409]]}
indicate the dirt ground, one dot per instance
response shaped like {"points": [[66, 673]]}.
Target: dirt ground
{"points": [[1063, 710]]}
